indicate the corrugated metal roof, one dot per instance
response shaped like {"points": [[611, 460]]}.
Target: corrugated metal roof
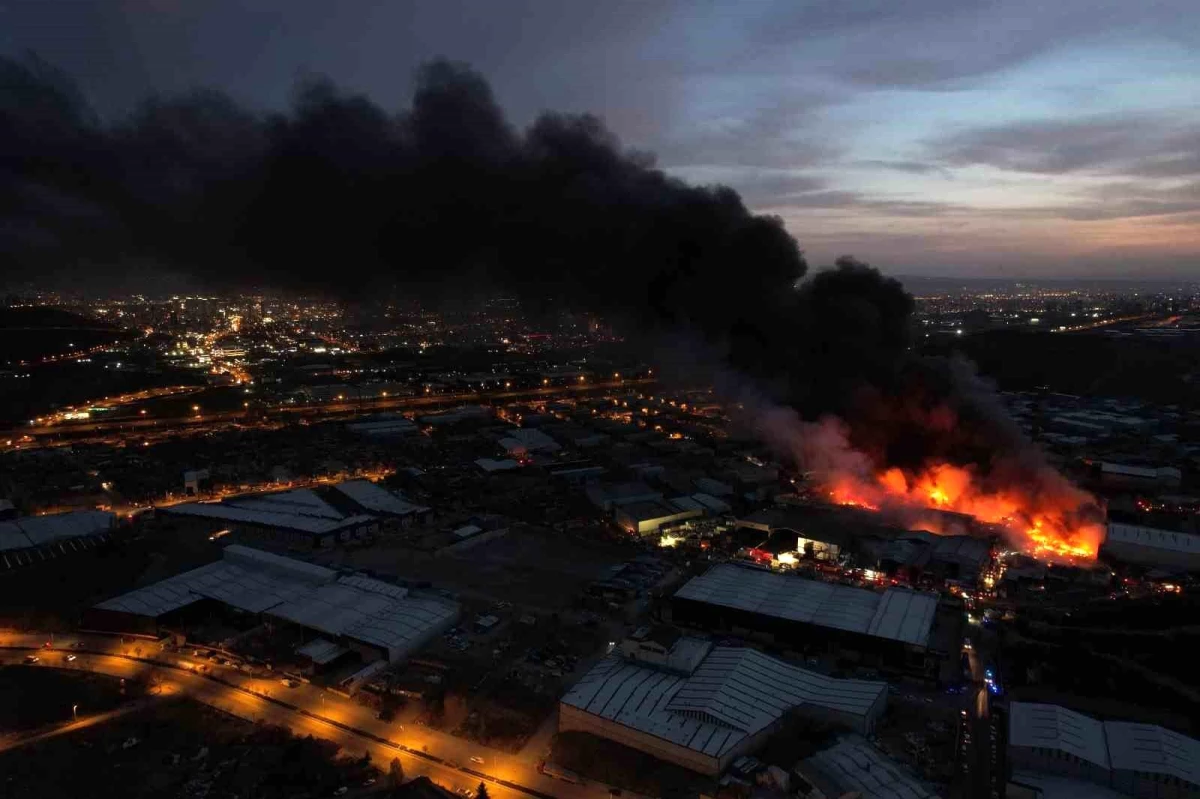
{"points": [[373, 498], [1032, 724], [32, 531], [898, 613], [303, 501], [354, 606], [855, 766], [735, 692], [280, 520], [1150, 748]]}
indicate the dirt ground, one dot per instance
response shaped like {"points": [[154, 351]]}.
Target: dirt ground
{"points": [[34, 697], [181, 749]]}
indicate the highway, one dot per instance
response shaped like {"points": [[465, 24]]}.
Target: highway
{"points": [[451, 762], [121, 426]]}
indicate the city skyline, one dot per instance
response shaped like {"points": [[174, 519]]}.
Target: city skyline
{"points": [[1014, 141]]}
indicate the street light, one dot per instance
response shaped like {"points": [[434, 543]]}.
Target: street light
{"points": [[74, 714]]}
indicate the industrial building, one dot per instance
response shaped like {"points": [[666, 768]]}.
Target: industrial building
{"points": [[367, 497], [295, 530], [377, 619], [648, 516], [1148, 546], [857, 767], [34, 531], [1142, 760], [701, 706], [893, 627]]}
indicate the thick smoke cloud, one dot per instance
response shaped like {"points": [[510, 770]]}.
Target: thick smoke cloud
{"points": [[447, 197]]}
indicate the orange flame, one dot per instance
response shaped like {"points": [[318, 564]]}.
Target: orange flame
{"points": [[1047, 523]]}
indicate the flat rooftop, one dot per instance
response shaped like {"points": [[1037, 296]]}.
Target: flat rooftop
{"points": [[734, 693], [897, 614]]}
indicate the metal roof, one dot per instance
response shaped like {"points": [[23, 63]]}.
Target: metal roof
{"points": [[266, 518], [898, 614], [320, 651], [376, 499], [1152, 538], [1042, 726], [733, 694], [32, 531], [1150, 748], [303, 501], [354, 606], [855, 766]]}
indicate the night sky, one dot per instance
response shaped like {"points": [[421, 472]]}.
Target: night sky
{"points": [[1020, 138]]}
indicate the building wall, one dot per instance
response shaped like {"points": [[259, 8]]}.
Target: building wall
{"points": [[1153, 786], [572, 719], [1151, 556], [1053, 761]]}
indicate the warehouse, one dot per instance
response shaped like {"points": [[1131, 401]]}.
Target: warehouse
{"points": [[1142, 760], [645, 518], [375, 618], [726, 706], [35, 531], [894, 627], [367, 497], [285, 525], [1147, 546]]}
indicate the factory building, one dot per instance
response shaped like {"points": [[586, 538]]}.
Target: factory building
{"points": [[1140, 760], [893, 628], [1148, 546], [647, 517], [26, 532], [367, 497], [279, 523], [377, 619], [700, 706]]}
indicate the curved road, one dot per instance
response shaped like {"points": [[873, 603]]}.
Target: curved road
{"points": [[304, 710]]}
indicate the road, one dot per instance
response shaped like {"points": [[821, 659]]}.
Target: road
{"points": [[135, 426], [979, 740], [304, 710], [79, 724]]}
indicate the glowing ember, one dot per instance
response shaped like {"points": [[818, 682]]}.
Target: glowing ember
{"points": [[1047, 522]]}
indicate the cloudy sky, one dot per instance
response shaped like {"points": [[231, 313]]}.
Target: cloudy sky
{"points": [[943, 137]]}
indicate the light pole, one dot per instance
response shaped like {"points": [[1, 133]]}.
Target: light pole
{"points": [[74, 714]]}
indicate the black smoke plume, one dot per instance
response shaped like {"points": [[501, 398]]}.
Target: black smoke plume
{"points": [[447, 196]]}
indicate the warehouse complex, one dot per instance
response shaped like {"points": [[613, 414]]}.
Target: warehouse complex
{"points": [[702, 706], [357, 613], [1142, 760], [1148, 546], [895, 625]]}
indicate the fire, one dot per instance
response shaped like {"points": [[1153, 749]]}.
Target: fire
{"points": [[1047, 521]]}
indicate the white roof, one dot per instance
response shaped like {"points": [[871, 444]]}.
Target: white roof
{"points": [[1153, 538], [32, 531], [734, 693], [303, 501], [376, 499], [354, 606], [1150, 748], [855, 766], [898, 614], [1032, 724], [266, 518]]}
